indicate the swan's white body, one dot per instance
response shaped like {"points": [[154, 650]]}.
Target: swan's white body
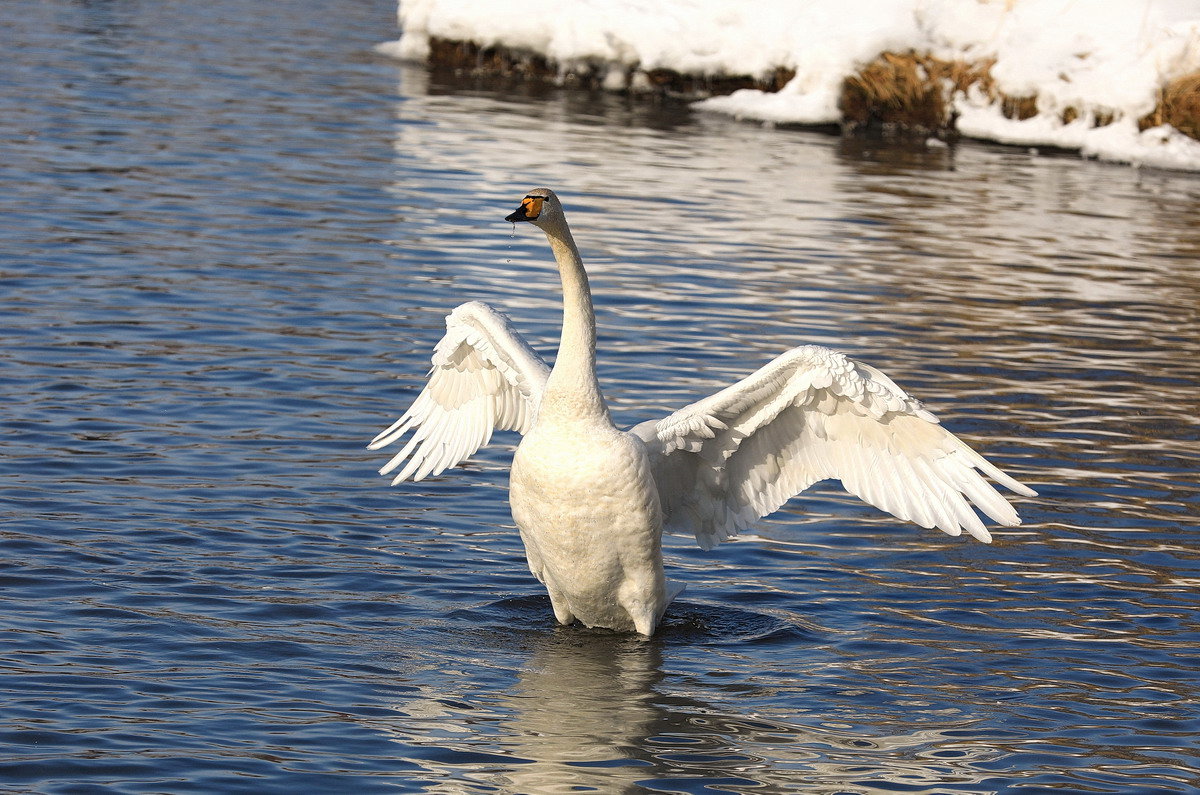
{"points": [[591, 501]]}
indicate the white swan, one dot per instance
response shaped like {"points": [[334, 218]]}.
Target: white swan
{"points": [[591, 501]]}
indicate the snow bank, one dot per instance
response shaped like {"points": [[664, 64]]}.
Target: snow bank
{"points": [[1104, 60]]}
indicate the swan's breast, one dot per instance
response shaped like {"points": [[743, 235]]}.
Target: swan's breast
{"points": [[585, 492]]}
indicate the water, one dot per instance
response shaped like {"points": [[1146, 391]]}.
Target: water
{"points": [[228, 229]]}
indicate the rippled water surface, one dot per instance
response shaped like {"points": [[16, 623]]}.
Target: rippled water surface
{"points": [[229, 235]]}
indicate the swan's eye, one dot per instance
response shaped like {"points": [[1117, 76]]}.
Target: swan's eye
{"points": [[533, 206]]}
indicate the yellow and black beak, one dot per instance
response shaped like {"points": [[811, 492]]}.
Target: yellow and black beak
{"points": [[530, 209]]}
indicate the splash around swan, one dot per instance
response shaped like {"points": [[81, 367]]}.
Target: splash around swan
{"points": [[591, 501]]}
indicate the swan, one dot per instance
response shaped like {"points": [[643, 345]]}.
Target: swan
{"points": [[591, 501]]}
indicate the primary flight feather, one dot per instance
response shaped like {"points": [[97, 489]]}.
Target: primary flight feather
{"points": [[591, 501]]}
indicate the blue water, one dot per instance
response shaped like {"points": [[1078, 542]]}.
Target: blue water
{"points": [[228, 235]]}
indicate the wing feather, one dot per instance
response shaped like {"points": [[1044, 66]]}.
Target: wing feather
{"points": [[484, 378], [728, 460]]}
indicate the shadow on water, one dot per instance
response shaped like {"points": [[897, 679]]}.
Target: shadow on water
{"points": [[685, 623]]}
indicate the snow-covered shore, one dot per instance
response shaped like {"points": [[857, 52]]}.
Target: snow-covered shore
{"points": [[1083, 62]]}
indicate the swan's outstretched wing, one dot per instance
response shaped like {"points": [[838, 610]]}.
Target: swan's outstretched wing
{"points": [[726, 461], [485, 377]]}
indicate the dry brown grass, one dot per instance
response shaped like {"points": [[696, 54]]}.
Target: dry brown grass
{"points": [[906, 92], [912, 92], [1178, 106], [468, 58]]}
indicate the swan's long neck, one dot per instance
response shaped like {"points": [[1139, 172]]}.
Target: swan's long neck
{"points": [[573, 390]]}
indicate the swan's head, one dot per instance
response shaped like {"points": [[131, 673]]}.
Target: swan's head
{"points": [[540, 207]]}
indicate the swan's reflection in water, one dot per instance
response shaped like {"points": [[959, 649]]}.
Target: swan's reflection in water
{"points": [[582, 712], [601, 711]]}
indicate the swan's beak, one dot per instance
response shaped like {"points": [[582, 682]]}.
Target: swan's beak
{"points": [[530, 209]]}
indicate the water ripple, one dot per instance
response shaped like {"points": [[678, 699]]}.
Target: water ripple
{"points": [[225, 260]]}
